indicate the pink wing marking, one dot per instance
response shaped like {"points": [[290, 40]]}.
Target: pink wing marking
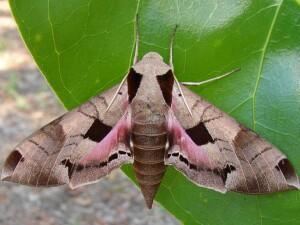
{"points": [[103, 149], [195, 153]]}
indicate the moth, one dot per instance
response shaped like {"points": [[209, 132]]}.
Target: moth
{"points": [[152, 121]]}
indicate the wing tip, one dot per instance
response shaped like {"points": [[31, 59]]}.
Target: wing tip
{"points": [[10, 165], [289, 173], [4, 177]]}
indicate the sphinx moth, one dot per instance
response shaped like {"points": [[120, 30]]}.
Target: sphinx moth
{"points": [[152, 121]]}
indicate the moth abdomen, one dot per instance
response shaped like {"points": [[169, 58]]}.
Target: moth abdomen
{"points": [[149, 179], [149, 146], [148, 163], [149, 155]]}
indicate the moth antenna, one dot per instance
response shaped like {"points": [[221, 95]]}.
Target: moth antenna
{"points": [[171, 47], [172, 67], [212, 79], [116, 93], [137, 39], [135, 59]]}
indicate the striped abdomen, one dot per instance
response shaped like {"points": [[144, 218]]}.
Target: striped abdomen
{"points": [[149, 144]]}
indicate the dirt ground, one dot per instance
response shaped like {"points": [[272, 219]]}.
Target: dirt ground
{"points": [[27, 103]]}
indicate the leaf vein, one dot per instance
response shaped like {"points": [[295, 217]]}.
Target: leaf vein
{"points": [[262, 59]]}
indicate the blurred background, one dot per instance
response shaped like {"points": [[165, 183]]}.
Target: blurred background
{"points": [[27, 103]]}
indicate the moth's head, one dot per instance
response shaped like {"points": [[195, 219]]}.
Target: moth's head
{"points": [[152, 64], [153, 56]]}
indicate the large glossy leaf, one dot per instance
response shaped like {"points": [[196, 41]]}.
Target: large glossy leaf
{"points": [[85, 46]]}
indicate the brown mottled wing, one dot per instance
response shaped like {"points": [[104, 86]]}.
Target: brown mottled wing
{"points": [[216, 152], [56, 154]]}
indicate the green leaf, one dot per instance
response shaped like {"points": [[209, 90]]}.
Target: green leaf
{"points": [[85, 46]]}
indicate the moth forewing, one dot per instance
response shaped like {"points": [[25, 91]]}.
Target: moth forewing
{"points": [[53, 154], [243, 160]]}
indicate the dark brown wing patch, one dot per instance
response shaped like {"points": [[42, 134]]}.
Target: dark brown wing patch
{"points": [[288, 172], [97, 131], [11, 163], [133, 81], [199, 134], [166, 82]]}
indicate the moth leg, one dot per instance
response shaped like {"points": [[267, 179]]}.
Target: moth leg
{"points": [[210, 80], [116, 93]]}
